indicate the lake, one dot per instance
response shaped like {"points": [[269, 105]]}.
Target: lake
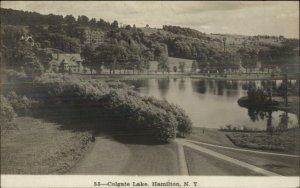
{"points": [[213, 103]]}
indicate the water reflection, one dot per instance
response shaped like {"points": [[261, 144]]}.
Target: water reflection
{"points": [[213, 103], [220, 86], [261, 115], [232, 88], [270, 127], [141, 84], [182, 85], [163, 85], [284, 119], [199, 86]]}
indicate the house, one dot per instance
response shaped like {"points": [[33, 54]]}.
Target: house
{"points": [[30, 40], [61, 62]]}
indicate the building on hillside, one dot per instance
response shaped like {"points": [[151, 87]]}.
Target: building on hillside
{"points": [[92, 37], [241, 69], [61, 62], [30, 40]]}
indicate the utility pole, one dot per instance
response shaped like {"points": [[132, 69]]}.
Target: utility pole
{"points": [[224, 43], [286, 89]]}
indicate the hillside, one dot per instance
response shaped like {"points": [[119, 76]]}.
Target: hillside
{"points": [[104, 44]]}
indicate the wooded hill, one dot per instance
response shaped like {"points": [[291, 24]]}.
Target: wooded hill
{"points": [[130, 48]]}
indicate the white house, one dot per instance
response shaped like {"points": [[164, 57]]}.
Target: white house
{"points": [[62, 62]]}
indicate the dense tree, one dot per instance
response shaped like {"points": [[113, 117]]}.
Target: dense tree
{"points": [[194, 66], [93, 22], [69, 19], [56, 29], [83, 20], [249, 58], [115, 25], [214, 52], [181, 66], [89, 57]]}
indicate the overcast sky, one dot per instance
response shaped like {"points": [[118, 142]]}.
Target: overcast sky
{"points": [[247, 18]]}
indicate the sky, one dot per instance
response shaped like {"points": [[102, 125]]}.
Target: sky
{"points": [[231, 17]]}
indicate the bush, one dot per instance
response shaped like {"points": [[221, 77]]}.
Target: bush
{"points": [[33, 69], [7, 111], [20, 104], [184, 124], [13, 75], [136, 113]]}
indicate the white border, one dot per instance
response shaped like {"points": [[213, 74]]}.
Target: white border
{"points": [[33, 181]]}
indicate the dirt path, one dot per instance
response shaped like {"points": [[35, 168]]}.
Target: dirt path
{"points": [[105, 156]]}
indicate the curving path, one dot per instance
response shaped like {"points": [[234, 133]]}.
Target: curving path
{"points": [[236, 162], [108, 156], [185, 157]]}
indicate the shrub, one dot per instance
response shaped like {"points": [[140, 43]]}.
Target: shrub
{"points": [[20, 104], [136, 113], [33, 69], [157, 121], [15, 75], [184, 124], [7, 111]]}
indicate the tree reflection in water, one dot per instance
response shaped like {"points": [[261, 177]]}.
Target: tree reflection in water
{"points": [[163, 85], [284, 120], [199, 86], [182, 85], [261, 114], [221, 87]]}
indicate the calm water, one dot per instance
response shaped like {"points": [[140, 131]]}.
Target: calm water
{"points": [[213, 104]]}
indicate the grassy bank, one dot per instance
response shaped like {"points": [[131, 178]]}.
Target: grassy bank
{"points": [[34, 146], [211, 136], [200, 163], [293, 104], [287, 141], [246, 76]]}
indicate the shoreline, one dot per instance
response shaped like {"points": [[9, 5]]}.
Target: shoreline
{"points": [[243, 77], [250, 140]]}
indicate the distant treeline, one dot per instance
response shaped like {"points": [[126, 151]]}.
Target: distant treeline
{"points": [[131, 48], [19, 17]]}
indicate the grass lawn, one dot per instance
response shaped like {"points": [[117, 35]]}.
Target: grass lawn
{"points": [[203, 164], [287, 142], [287, 166], [211, 136], [293, 104], [38, 147]]}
